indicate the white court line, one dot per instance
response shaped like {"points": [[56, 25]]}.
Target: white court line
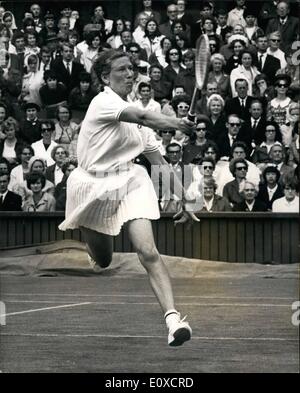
{"points": [[143, 296], [147, 304], [147, 336], [44, 309]]}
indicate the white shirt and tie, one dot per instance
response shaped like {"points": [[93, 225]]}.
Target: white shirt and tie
{"points": [[271, 192], [254, 122], [261, 59]]}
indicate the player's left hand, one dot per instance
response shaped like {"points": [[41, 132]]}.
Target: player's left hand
{"points": [[185, 217]]}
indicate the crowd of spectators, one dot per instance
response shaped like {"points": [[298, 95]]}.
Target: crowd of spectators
{"points": [[244, 153]]}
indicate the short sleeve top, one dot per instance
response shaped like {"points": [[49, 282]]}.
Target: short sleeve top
{"points": [[105, 143]]}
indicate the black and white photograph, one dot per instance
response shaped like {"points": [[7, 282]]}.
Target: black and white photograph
{"points": [[149, 190]]}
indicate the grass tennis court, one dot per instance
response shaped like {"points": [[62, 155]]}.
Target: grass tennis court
{"points": [[110, 324]]}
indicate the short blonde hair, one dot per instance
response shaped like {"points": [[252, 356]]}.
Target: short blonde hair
{"points": [[218, 56], [215, 97]]}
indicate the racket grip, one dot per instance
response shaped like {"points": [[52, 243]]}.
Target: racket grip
{"points": [[191, 117]]}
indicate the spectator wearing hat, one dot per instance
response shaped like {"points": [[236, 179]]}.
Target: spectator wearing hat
{"points": [[66, 69], [237, 43], [249, 191], [288, 26], [278, 107], [30, 127], [270, 189], [266, 63], [44, 146]]}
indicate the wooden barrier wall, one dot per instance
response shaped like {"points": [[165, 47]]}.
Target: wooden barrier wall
{"points": [[232, 237]]}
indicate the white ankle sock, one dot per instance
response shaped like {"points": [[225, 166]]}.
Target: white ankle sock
{"points": [[171, 316]]}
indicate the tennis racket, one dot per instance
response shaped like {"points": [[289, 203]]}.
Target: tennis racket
{"points": [[201, 69]]}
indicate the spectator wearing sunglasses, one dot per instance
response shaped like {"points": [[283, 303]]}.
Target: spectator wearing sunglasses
{"points": [[233, 134], [193, 151], [274, 40], [279, 106], [288, 26], [239, 168]]}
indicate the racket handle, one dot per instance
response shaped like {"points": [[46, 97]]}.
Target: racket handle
{"points": [[191, 117]]}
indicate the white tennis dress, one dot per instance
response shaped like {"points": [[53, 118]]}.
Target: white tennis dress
{"points": [[107, 189]]}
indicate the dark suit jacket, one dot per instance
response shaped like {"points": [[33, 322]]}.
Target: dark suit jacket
{"points": [[12, 202], [289, 31], [271, 66], [257, 207], [224, 143], [220, 204], [170, 75], [30, 132], [231, 192], [263, 195], [165, 29], [233, 106], [217, 129], [257, 134], [70, 81]]}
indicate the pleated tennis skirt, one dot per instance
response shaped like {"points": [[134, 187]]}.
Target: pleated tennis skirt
{"points": [[105, 203]]}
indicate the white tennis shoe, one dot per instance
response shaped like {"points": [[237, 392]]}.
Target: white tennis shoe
{"points": [[179, 330]]}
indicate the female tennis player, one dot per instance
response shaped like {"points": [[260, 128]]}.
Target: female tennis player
{"points": [[107, 190]]}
